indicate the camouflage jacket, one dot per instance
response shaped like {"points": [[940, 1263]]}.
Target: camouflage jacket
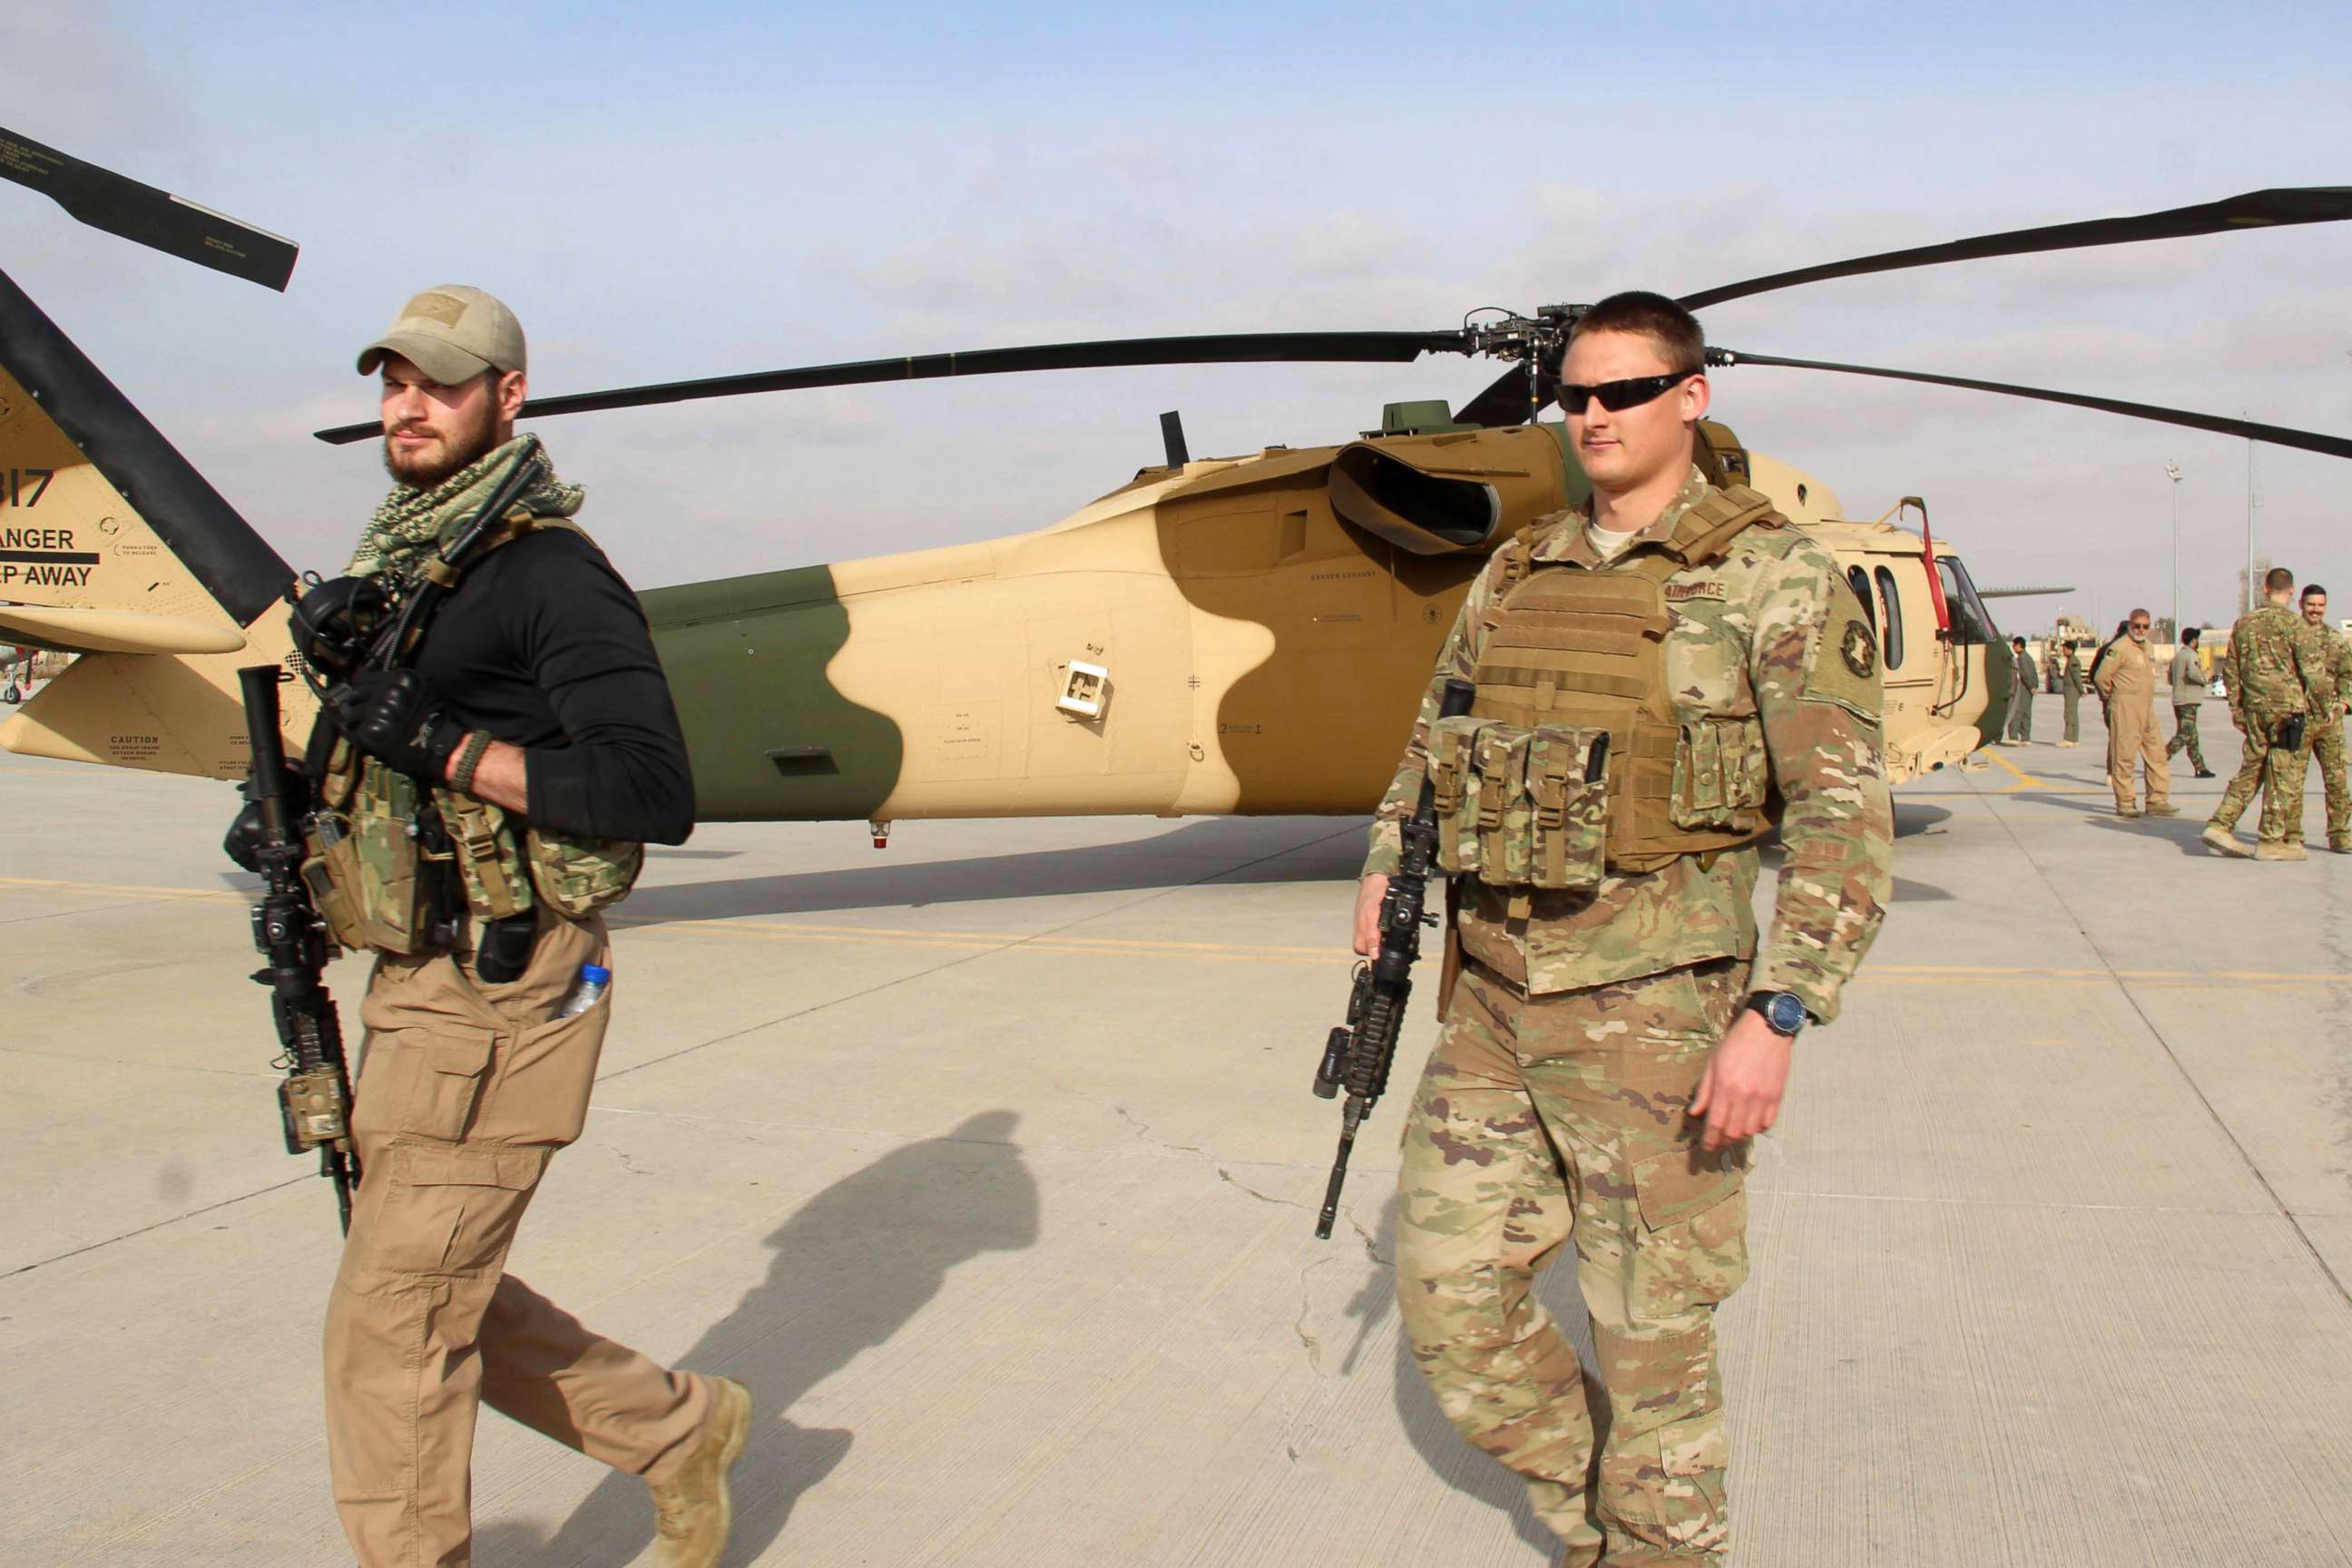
{"points": [[1748, 631], [2336, 688], [2278, 664]]}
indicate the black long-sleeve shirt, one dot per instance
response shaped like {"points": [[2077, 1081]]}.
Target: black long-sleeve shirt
{"points": [[545, 648]]}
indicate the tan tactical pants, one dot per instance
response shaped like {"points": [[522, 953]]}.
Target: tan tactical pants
{"points": [[465, 1092], [1546, 1120], [2133, 737]]}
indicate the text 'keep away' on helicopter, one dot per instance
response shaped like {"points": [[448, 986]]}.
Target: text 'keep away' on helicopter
{"points": [[1224, 634]]}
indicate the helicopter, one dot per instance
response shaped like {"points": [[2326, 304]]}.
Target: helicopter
{"points": [[1244, 633]]}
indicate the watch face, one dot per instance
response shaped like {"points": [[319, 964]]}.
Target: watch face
{"points": [[1785, 1012]]}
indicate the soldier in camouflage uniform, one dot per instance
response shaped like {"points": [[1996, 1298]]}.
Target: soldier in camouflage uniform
{"points": [[1614, 1037], [2328, 724], [2188, 696], [2070, 688], [2279, 683], [535, 710]]}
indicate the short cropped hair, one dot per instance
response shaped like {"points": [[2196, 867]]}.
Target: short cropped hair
{"points": [[2192, 634], [2277, 577], [1676, 329], [2311, 590]]}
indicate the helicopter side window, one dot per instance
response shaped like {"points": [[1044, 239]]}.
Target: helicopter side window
{"points": [[1971, 622], [1859, 581], [1893, 631]]}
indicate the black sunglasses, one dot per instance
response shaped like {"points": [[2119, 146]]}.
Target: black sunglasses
{"points": [[1618, 395]]}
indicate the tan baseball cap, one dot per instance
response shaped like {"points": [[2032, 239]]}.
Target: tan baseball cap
{"points": [[453, 334]]}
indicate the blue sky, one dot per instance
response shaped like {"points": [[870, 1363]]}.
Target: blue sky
{"points": [[730, 188]]}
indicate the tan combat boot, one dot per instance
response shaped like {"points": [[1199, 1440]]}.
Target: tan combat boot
{"points": [[2127, 811], [692, 1510], [2280, 852], [2224, 842], [2339, 845], [2168, 809]]}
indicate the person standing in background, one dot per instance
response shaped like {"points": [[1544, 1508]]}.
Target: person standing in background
{"points": [[2187, 692], [2328, 719], [2126, 682], [2025, 678], [2278, 682], [2070, 688]]}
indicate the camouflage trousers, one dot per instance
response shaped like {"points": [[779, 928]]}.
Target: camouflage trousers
{"points": [[2185, 736], [2275, 770], [2328, 749], [1552, 1118]]}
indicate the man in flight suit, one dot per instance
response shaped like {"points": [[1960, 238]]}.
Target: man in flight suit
{"points": [[2025, 679], [536, 691], [2278, 684], [1656, 673], [2126, 682]]}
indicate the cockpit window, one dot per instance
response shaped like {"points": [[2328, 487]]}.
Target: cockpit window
{"points": [[1971, 622]]}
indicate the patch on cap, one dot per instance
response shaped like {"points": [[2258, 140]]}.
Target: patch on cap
{"points": [[436, 306]]}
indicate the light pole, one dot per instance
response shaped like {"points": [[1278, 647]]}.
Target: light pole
{"points": [[2172, 472]]}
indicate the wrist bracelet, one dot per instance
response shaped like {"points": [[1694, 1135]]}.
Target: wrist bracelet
{"points": [[470, 757]]}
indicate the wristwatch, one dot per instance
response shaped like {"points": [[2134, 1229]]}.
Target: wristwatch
{"points": [[1783, 1013]]}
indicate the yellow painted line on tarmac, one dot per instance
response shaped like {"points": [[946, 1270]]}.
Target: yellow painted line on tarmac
{"points": [[114, 890], [2024, 779]]}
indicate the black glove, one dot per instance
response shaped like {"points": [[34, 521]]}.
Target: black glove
{"points": [[391, 716], [242, 842]]}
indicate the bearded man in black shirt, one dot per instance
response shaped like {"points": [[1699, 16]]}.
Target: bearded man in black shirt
{"points": [[534, 725]]}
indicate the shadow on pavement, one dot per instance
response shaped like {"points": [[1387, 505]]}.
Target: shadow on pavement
{"points": [[1449, 1456], [1044, 873], [853, 1266], [1914, 818]]}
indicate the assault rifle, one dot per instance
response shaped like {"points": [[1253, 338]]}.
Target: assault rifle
{"points": [[315, 1100], [1358, 1053]]}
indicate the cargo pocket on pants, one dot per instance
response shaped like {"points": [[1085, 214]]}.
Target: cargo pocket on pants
{"points": [[1677, 1505], [421, 1082], [447, 1212], [1693, 1251]]}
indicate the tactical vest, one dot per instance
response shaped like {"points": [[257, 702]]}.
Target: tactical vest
{"points": [[377, 865], [1574, 762]]}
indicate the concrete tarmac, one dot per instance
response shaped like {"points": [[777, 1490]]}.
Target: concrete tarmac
{"points": [[988, 1163]]}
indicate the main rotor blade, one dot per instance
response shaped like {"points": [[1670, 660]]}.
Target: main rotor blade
{"points": [[2276, 435], [2275, 208], [1505, 402], [104, 199], [1225, 348]]}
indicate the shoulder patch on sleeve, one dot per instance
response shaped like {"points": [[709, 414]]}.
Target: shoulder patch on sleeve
{"points": [[1844, 668]]}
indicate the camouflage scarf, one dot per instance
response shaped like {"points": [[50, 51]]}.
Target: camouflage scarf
{"points": [[411, 521]]}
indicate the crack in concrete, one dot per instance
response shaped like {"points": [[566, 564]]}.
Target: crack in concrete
{"points": [[1314, 1345], [1143, 1130], [1231, 1180]]}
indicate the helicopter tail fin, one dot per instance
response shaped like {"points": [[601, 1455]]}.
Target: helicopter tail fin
{"points": [[114, 547]]}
